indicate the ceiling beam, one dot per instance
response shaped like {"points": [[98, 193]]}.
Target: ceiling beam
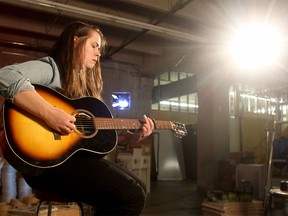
{"points": [[55, 7], [175, 89], [154, 65], [173, 10]]}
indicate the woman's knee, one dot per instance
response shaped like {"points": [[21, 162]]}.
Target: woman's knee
{"points": [[138, 199]]}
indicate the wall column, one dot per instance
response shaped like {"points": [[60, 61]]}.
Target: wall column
{"points": [[212, 125]]}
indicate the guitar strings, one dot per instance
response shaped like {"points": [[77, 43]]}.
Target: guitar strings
{"points": [[108, 123]]}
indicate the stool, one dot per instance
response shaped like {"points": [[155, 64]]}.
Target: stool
{"points": [[274, 193], [50, 198]]}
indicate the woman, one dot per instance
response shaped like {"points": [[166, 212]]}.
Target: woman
{"points": [[73, 68]]}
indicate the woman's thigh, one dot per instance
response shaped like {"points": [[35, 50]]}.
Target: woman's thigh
{"points": [[93, 181]]}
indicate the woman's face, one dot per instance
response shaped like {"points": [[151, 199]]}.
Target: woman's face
{"points": [[92, 50]]}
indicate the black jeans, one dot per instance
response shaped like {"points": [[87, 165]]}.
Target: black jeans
{"points": [[111, 189]]}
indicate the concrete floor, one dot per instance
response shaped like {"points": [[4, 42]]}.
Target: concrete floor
{"points": [[173, 198], [167, 198]]}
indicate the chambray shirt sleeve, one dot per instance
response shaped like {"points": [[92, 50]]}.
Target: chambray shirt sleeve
{"points": [[21, 77]]}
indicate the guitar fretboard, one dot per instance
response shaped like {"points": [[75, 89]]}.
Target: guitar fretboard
{"points": [[108, 123]]}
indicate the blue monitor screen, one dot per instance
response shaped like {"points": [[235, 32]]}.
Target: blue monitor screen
{"points": [[121, 100]]}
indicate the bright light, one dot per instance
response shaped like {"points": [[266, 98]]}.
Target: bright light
{"points": [[121, 100], [254, 97], [256, 46], [178, 104]]}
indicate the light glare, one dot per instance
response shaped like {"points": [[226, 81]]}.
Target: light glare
{"points": [[256, 46]]}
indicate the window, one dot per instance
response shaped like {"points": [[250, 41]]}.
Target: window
{"points": [[252, 100], [183, 103]]}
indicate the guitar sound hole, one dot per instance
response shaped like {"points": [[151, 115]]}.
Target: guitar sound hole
{"points": [[84, 124]]}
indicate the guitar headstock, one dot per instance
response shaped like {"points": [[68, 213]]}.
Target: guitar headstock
{"points": [[179, 129]]}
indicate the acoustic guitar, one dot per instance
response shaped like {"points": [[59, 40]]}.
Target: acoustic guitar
{"points": [[32, 143]]}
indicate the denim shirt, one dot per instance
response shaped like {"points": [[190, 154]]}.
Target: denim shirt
{"points": [[21, 77]]}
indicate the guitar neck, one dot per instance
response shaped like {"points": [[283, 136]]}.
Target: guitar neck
{"points": [[114, 124]]}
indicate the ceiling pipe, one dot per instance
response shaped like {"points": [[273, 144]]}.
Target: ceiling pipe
{"points": [[178, 6], [115, 19]]}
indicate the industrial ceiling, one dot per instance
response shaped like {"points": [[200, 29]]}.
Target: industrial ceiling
{"points": [[154, 36]]}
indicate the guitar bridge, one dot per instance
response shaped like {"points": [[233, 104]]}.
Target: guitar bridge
{"points": [[57, 136]]}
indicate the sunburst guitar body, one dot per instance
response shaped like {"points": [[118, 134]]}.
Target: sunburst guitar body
{"points": [[32, 145]]}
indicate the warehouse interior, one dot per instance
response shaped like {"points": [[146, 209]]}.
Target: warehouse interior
{"points": [[173, 58]]}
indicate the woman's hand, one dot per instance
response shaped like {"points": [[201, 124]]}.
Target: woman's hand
{"points": [[56, 118], [60, 121], [146, 129]]}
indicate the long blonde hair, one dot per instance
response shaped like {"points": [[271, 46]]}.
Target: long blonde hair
{"points": [[81, 83]]}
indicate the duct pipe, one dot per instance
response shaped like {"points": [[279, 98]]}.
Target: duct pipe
{"points": [[116, 19]]}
